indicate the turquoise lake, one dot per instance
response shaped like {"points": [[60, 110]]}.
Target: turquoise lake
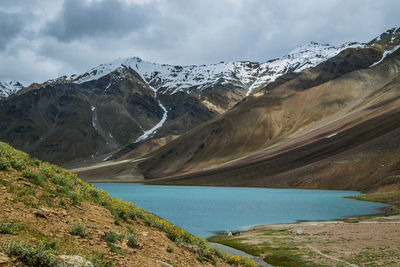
{"points": [[203, 210]]}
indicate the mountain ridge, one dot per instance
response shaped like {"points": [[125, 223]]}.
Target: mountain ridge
{"points": [[173, 78], [337, 86], [9, 87], [134, 104]]}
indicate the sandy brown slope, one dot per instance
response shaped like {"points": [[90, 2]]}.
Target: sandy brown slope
{"points": [[42, 204], [363, 157], [272, 120], [266, 119]]}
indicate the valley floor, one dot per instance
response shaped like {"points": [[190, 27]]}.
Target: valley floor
{"points": [[358, 241], [123, 171]]}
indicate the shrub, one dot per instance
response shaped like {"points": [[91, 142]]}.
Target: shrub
{"points": [[114, 248], [4, 182], [50, 245], [131, 229], [123, 213], [170, 249], [94, 193], [31, 254], [34, 177], [62, 190], [62, 203], [8, 227], [75, 198], [34, 162], [133, 241], [219, 252], [78, 229], [117, 221], [99, 260], [4, 166], [112, 237], [205, 254], [18, 165]]}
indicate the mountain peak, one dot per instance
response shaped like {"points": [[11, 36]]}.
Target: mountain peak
{"points": [[170, 79], [195, 78], [9, 87], [389, 39], [135, 58]]}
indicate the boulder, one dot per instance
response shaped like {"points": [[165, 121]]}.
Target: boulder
{"points": [[74, 261], [164, 264]]}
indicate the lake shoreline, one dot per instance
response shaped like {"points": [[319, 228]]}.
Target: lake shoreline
{"points": [[343, 241], [320, 208]]}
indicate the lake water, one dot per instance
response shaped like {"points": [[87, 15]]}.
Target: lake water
{"points": [[203, 210]]}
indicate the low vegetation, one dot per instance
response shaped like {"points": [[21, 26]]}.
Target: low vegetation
{"points": [[34, 177], [391, 198], [8, 227], [32, 254], [281, 250], [45, 185], [78, 229], [170, 249]]}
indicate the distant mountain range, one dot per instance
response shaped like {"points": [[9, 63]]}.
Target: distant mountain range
{"points": [[195, 118]]}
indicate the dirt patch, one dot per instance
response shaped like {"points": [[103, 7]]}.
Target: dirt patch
{"points": [[370, 242]]}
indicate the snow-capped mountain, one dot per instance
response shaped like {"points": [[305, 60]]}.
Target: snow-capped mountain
{"points": [[134, 105], [8, 88], [195, 78], [390, 42]]}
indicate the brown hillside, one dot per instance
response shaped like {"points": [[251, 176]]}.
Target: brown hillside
{"points": [[269, 119], [49, 215]]}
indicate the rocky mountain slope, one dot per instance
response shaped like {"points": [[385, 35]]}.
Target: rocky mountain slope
{"points": [[199, 79], [133, 106], [8, 88], [52, 218], [62, 122], [279, 135]]}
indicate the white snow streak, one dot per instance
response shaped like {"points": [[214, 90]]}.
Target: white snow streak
{"points": [[385, 53], [108, 86], [107, 158], [94, 117], [148, 133], [331, 135]]}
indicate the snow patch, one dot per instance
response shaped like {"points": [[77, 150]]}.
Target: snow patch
{"points": [[331, 135], [108, 86], [196, 78], [106, 158], [148, 133], [299, 59], [94, 123], [385, 53], [94, 117], [8, 88]]}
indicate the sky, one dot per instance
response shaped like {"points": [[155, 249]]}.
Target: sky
{"points": [[45, 39]]}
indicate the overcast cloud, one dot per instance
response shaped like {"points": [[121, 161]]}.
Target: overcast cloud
{"points": [[44, 39]]}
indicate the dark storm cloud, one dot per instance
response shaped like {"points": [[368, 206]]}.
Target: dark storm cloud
{"points": [[11, 24], [79, 19]]}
